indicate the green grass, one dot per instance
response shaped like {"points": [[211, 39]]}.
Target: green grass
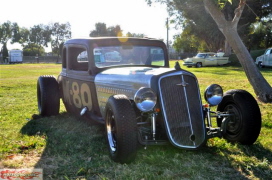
{"points": [[67, 147]]}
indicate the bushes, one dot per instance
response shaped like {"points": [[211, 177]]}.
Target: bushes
{"points": [[254, 54]]}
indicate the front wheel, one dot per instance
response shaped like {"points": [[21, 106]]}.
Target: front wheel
{"points": [[245, 123], [260, 65], [121, 129], [198, 65]]}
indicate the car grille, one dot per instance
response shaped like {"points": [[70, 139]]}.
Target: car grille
{"points": [[182, 109]]}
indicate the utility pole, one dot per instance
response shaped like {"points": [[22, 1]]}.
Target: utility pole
{"points": [[167, 28]]}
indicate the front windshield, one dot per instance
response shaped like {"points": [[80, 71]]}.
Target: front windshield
{"points": [[128, 55]]}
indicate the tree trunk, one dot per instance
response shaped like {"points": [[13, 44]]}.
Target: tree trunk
{"points": [[227, 48], [262, 89]]}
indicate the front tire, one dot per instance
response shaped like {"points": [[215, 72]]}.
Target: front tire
{"points": [[245, 124], [48, 96], [198, 65], [121, 129], [260, 65]]}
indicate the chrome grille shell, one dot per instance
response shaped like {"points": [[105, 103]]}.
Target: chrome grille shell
{"points": [[182, 109]]}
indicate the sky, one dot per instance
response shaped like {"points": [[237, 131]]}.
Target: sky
{"points": [[133, 16]]}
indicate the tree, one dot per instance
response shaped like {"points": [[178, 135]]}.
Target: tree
{"points": [[102, 30], [261, 35], [40, 35], [191, 15], [229, 28], [114, 31], [24, 36], [129, 34], [9, 31], [187, 43], [59, 34], [32, 49]]}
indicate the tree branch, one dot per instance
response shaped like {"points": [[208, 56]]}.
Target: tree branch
{"points": [[238, 13]]}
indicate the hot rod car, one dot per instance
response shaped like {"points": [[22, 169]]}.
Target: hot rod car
{"points": [[126, 84]]}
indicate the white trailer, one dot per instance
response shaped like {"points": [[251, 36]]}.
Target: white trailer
{"points": [[15, 56]]}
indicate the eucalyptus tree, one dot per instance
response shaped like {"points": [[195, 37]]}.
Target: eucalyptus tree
{"points": [[228, 24], [9, 31], [101, 30], [40, 35], [59, 34], [24, 37]]}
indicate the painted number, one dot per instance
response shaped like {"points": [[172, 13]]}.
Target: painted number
{"points": [[78, 95]]}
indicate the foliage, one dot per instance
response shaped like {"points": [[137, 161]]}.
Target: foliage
{"points": [[68, 147], [59, 34], [40, 34], [261, 31], [129, 34], [188, 43], [33, 50], [9, 31], [102, 30], [192, 17], [24, 34]]}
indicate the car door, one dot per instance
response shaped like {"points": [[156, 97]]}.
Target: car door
{"points": [[210, 60], [77, 82]]}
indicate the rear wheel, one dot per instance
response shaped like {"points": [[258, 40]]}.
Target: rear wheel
{"points": [[121, 129], [245, 123], [48, 96]]}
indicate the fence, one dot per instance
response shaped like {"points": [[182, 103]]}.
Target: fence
{"points": [[34, 59]]}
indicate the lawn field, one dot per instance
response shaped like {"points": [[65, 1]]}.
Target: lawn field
{"points": [[67, 147]]}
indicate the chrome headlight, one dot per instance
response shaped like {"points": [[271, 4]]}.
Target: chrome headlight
{"points": [[145, 99], [214, 94]]}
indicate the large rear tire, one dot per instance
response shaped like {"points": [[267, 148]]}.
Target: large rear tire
{"points": [[245, 124], [121, 129], [48, 96]]}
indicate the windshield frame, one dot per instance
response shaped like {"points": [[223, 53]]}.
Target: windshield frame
{"points": [[128, 55]]}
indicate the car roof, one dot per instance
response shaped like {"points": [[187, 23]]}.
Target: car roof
{"points": [[120, 39]]}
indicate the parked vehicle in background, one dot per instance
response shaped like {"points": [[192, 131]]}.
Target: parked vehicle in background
{"points": [[127, 85], [265, 60], [207, 59], [15, 56]]}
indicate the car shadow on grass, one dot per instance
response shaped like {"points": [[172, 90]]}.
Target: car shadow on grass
{"points": [[74, 148], [252, 161], [71, 146]]}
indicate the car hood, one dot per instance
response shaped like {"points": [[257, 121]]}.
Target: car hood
{"points": [[128, 78], [126, 81]]}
